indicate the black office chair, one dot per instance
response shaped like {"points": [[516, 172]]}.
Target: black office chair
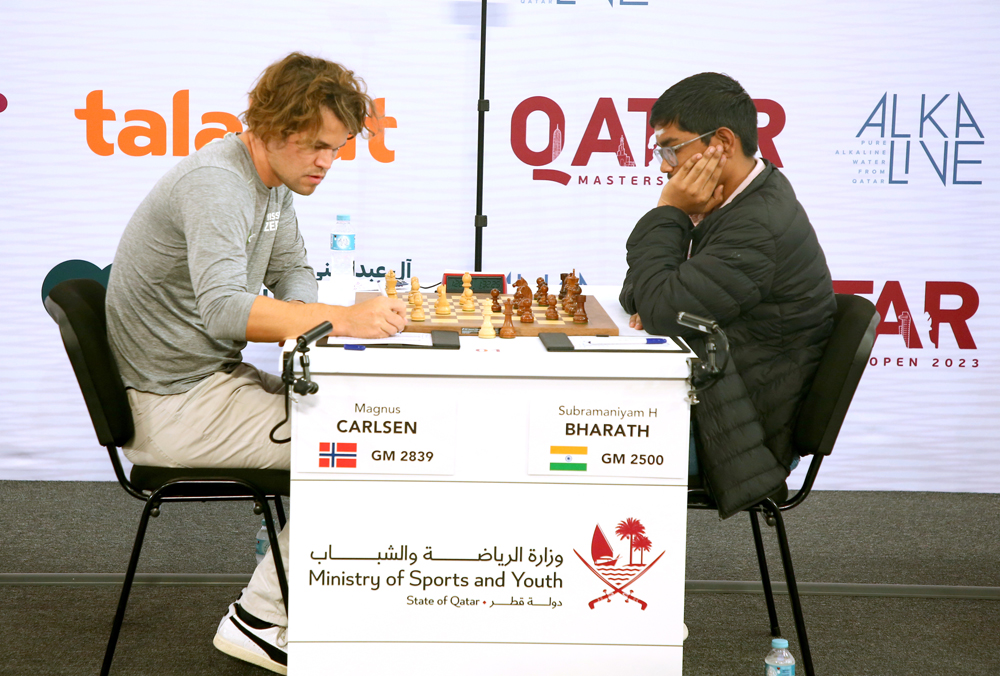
{"points": [[77, 306], [816, 430]]}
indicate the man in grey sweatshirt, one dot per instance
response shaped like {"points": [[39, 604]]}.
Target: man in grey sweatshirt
{"points": [[183, 301]]}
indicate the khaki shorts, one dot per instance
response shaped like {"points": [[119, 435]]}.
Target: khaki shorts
{"points": [[223, 421]]}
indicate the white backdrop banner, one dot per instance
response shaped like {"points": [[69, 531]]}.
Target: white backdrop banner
{"points": [[885, 128], [886, 141]]}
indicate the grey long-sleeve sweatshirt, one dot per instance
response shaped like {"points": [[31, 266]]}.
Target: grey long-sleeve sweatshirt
{"points": [[190, 264]]}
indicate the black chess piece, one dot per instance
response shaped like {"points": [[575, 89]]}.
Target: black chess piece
{"points": [[580, 314]]}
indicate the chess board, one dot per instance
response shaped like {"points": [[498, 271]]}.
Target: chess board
{"points": [[469, 323]]}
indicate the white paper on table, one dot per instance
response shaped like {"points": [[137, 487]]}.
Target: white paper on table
{"points": [[586, 343], [418, 339]]}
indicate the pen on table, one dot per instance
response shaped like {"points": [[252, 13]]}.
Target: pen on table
{"points": [[625, 341], [351, 346]]}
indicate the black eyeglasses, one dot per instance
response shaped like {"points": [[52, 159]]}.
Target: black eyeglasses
{"points": [[668, 154]]}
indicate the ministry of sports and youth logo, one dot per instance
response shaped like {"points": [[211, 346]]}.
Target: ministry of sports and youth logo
{"points": [[605, 142], [619, 577], [907, 137]]}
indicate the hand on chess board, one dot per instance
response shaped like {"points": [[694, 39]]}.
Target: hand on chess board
{"points": [[694, 186], [273, 320], [378, 317]]}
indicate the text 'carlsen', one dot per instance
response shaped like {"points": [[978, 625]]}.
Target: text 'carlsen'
{"points": [[377, 426], [606, 430]]}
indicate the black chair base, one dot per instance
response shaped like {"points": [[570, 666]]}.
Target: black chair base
{"points": [[698, 499], [77, 306], [210, 487]]}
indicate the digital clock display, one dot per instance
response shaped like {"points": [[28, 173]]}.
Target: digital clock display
{"points": [[481, 282]]}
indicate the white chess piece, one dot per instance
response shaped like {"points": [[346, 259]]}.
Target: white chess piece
{"points": [[487, 330]]}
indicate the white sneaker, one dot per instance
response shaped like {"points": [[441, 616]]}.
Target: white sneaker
{"points": [[245, 637]]}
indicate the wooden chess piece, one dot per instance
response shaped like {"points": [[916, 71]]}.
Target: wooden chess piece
{"points": [[580, 315], [507, 330], [390, 284], [553, 312], [487, 330], [468, 301], [562, 289], [495, 307], [525, 311], [417, 315], [539, 283], [569, 303], [414, 291], [442, 307], [522, 291], [527, 317], [543, 293], [573, 283], [566, 297]]}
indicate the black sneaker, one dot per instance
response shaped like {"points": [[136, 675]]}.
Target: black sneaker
{"points": [[245, 637]]}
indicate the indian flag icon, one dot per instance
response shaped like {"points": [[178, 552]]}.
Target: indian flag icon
{"points": [[568, 458]]}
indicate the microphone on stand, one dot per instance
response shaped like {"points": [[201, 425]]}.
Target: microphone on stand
{"points": [[313, 334], [716, 342], [697, 323], [304, 385]]}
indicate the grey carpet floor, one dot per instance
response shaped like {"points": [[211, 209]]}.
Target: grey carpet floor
{"points": [[948, 540], [168, 631]]}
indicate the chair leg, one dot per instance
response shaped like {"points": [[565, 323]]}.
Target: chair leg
{"points": [[765, 577], [280, 509], [133, 563], [793, 588], [279, 567]]}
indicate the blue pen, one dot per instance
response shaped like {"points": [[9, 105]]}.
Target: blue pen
{"points": [[354, 347], [626, 341]]}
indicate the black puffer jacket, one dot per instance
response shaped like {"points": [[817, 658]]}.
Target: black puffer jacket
{"points": [[757, 268]]}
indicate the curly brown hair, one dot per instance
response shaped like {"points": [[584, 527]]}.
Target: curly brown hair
{"points": [[289, 95]]}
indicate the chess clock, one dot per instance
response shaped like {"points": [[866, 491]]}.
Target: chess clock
{"points": [[482, 282]]}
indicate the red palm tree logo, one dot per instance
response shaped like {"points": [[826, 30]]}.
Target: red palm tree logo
{"points": [[630, 528], [643, 544]]}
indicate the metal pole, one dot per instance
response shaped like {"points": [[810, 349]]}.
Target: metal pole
{"points": [[483, 106]]}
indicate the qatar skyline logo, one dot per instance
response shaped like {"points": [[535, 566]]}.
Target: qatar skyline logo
{"points": [[948, 308], [605, 141]]}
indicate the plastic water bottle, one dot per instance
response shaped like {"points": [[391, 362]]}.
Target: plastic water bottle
{"points": [[779, 662], [342, 248], [262, 542]]}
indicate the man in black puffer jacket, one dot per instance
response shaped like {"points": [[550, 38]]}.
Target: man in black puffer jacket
{"points": [[728, 240]]}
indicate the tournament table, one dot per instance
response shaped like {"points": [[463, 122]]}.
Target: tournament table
{"points": [[494, 508]]}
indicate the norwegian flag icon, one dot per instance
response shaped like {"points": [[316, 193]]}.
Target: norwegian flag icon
{"points": [[338, 456]]}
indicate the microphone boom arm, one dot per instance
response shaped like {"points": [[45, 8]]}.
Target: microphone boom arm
{"points": [[716, 348]]}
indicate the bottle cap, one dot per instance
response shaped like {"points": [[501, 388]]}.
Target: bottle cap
{"points": [[779, 643], [343, 217]]}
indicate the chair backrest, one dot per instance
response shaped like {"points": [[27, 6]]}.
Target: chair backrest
{"points": [[77, 306], [837, 377]]}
